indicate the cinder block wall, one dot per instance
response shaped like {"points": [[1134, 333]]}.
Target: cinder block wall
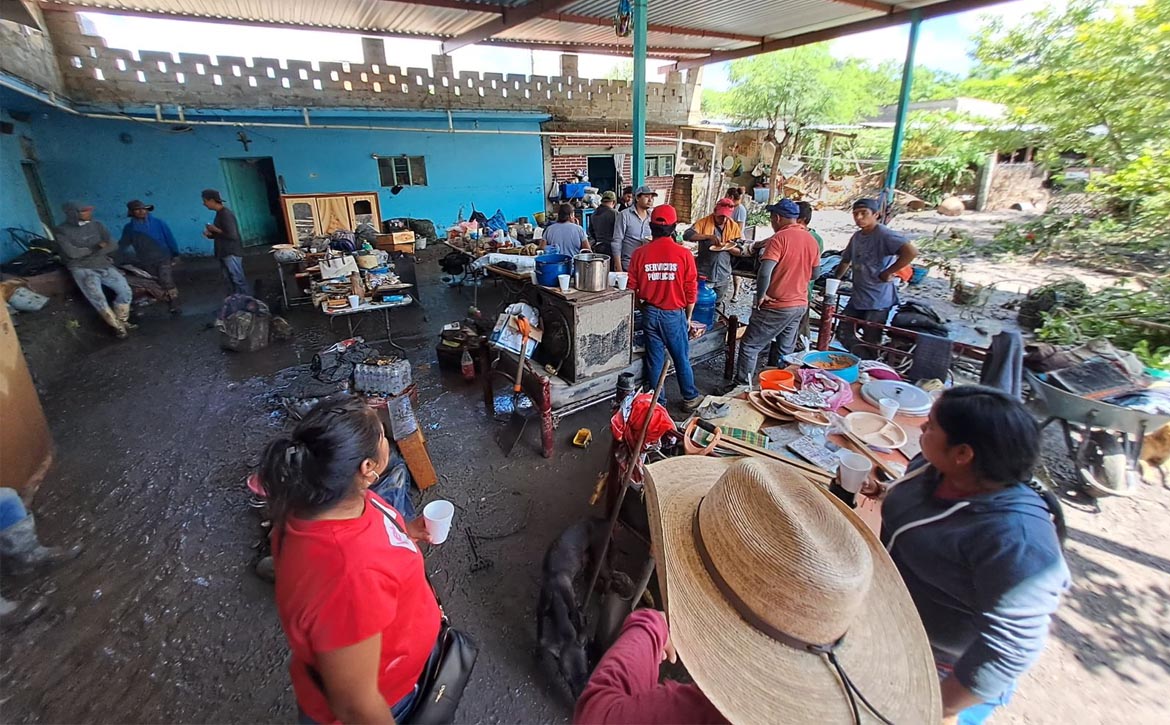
{"points": [[95, 73]]}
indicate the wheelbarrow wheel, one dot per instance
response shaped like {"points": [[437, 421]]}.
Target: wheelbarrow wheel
{"points": [[1103, 467]]}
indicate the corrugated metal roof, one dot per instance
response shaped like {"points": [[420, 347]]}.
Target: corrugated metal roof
{"points": [[690, 27]]}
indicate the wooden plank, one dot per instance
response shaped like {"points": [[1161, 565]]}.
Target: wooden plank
{"points": [[414, 452]]}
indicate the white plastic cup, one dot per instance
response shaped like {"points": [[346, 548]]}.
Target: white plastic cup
{"points": [[355, 301], [563, 282], [437, 517], [623, 280], [888, 407], [853, 471], [831, 285]]}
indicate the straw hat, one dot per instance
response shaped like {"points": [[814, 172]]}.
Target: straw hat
{"points": [[794, 562]]}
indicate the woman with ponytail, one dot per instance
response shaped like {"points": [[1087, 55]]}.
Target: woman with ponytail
{"points": [[351, 590]]}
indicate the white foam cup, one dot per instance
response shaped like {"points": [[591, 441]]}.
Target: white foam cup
{"points": [[563, 281], [623, 279], [355, 301], [437, 517], [831, 285], [853, 471], [888, 408]]}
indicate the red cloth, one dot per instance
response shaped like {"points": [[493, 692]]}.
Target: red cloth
{"points": [[663, 273], [339, 582], [624, 687], [796, 255]]}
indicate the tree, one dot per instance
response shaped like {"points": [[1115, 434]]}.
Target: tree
{"points": [[1095, 75], [791, 89]]}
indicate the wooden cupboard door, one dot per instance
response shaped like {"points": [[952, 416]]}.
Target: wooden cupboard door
{"points": [[301, 218], [363, 208], [333, 212]]}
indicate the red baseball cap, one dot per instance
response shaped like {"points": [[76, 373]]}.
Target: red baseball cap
{"points": [[724, 203], [664, 214]]}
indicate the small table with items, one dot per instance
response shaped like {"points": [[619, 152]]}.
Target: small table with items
{"points": [[354, 315]]}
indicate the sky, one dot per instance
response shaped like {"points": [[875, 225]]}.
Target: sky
{"points": [[944, 44]]}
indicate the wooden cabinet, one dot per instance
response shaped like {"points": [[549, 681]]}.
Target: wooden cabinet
{"points": [[315, 215]]}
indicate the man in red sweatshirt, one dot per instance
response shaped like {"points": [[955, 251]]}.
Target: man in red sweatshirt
{"points": [[624, 687], [664, 278]]}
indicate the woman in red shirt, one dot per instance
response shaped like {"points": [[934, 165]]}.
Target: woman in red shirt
{"points": [[351, 590]]}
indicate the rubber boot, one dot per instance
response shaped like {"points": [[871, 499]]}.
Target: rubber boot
{"points": [[123, 313], [173, 302], [23, 553], [112, 320], [14, 614]]}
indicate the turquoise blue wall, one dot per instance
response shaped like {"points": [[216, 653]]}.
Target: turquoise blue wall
{"points": [[108, 162], [16, 204]]}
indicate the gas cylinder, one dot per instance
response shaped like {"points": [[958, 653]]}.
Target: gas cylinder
{"points": [[705, 304]]}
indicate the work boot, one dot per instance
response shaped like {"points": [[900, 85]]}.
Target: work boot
{"points": [[692, 404], [123, 314], [22, 552], [14, 614], [173, 302], [112, 320]]}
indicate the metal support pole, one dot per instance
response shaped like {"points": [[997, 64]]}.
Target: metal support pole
{"points": [[638, 162], [887, 197]]}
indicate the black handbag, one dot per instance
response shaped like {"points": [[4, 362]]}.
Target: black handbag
{"points": [[441, 684]]}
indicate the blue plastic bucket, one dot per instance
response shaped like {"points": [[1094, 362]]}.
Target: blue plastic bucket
{"points": [[549, 266]]}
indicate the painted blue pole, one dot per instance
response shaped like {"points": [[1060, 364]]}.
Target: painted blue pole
{"points": [[638, 162], [900, 119]]}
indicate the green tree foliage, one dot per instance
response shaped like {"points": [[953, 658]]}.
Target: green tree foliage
{"points": [[1094, 75]]}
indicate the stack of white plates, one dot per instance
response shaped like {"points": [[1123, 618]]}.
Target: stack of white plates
{"points": [[912, 401]]}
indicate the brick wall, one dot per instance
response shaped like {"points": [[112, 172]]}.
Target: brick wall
{"points": [[28, 54], [563, 167], [97, 74]]}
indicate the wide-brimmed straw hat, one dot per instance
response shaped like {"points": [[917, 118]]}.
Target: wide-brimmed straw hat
{"points": [[778, 595]]}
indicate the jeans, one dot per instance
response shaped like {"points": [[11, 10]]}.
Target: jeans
{"points": [[399, 709], [721, 295], [668, 331], [765, 326], [847, 332], [91, 281], [11, 508], [233, 273], [977, 714]]}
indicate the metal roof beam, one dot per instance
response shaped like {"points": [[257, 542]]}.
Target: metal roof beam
{"points": [[896, 18], [870, 5], [510, 18], [623, 51], [656, 28]]}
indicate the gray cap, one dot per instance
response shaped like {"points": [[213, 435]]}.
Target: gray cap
{"points": [[645, 190]]}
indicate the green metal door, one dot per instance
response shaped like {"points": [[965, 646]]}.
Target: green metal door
{"points": [[254, 197]]}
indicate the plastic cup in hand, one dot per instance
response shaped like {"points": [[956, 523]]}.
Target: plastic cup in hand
{"points": [[832, 284], [437, 517], [563, 282], [623, 279], [888, 407], [853, 471], [355, 301]]}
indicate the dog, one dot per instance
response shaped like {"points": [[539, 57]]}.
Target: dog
{"points": [[560, 624]]}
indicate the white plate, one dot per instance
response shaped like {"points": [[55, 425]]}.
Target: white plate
{"points": [[912, 400]]}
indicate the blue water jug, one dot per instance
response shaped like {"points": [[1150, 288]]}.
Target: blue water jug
{"points": [[705, 304]]}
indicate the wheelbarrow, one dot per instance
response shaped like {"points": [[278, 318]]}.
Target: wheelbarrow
{"points": [[1110, 434]]}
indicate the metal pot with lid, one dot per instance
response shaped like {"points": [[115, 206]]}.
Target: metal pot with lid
{"points": [[591, 272]]}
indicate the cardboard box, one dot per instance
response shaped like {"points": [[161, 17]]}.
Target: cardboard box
{"points": [[388, 243], [403, 237], [506, 335]]}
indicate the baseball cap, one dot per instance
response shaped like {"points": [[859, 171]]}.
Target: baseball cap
{"points": [[663, 214], [724, 203], [212, 194], [608, 196], [645, 190], [871, 204], [785, 208]]}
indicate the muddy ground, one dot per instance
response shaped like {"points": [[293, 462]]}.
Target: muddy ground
{"points": [[162, 619]]}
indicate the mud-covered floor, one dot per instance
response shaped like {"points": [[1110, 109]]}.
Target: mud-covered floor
{"points": [[162, 619]]}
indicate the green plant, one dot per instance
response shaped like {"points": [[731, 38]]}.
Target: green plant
{"points": [[1131, 319]]}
